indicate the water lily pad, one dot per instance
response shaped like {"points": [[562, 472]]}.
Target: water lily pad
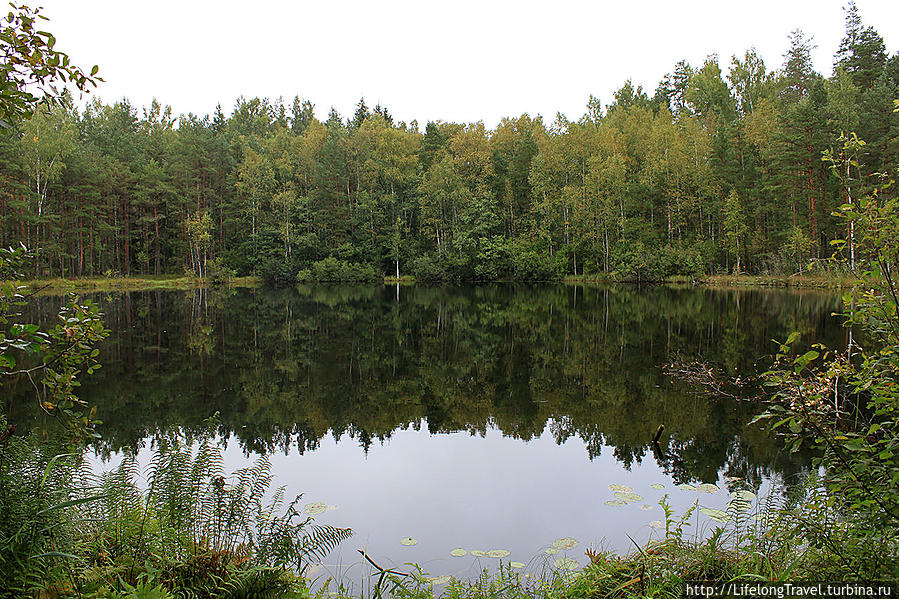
{"points": [[313, 509], [478, 553], [458, 552], [656, 524], [517, 564], [629, 497], [552, 550], [707, 488], [408, 541], [616, 487], [731, 479], [565, 563], [565, 543], [645, 507], [616, 502], [716, 515], [743, 495], [439, 579], [657, 486], [498, 553], [686, 487]]}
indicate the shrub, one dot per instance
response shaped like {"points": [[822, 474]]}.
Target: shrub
{"points": [[333, 270], [429, 269], [530, 265], [278, 271]]}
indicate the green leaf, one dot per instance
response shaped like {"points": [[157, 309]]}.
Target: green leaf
{"points": [[72, 502]]}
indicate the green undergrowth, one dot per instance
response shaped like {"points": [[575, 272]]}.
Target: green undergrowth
{"points": [[181, 527]]}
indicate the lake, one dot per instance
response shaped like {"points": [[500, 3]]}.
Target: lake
{"points": [[481, 418]]}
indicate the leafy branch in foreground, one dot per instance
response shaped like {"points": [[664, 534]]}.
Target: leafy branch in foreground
{"points": [[50, 360], [31, 66]]}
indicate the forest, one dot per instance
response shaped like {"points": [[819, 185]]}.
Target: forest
{"points": [[719, 170]]}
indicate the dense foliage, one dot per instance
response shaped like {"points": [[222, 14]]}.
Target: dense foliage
{"points": [[715, 172], [846, 403]]}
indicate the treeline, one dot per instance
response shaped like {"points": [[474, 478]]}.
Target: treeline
{"points": [[714, 172]]}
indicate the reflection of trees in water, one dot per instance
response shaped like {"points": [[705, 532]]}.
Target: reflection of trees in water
{"points": [[285, 368]]}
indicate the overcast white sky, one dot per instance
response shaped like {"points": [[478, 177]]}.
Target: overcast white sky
{"points": [[458, 60]]}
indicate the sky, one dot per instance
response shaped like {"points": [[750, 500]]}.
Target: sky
{"points": [[462, 61]]}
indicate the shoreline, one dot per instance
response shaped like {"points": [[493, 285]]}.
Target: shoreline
{"points": [[59, 285]]}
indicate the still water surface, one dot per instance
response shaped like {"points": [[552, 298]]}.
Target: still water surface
{"points": [[476, 418]]}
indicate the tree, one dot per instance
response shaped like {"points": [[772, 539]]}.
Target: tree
{"points": [[735, 227], [199, 236], [749, 80], [47, 138], [797, 72], [862, 52]]}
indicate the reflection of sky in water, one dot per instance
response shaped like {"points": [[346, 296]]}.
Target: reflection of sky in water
{"points": [[458, 490]]}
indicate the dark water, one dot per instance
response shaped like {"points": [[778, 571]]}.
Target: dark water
{"points": [[481, 418]]}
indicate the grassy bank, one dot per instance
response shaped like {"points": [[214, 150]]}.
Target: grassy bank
{"points": [[818, 281], [56, 286], [593, 278]]}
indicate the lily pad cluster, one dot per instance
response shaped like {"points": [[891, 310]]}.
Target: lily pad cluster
{"points": [[560, 544], [565, 543], [623, 496]]}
